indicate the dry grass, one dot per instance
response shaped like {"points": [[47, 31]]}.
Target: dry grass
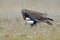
{"points": [[16, 29]]}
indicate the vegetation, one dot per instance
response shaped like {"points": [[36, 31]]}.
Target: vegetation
{"points": [[17, 29]]}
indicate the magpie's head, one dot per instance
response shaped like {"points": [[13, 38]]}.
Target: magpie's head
{"points": [[24, 11]]}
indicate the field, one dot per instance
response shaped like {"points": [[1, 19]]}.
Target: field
{"points": [[13, 27], [18, 29]]}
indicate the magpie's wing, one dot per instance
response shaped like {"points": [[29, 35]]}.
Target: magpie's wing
{"points": [[32, 14], [35, 15]]}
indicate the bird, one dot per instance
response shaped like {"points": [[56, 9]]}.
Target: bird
{"points": [[33, 17]]}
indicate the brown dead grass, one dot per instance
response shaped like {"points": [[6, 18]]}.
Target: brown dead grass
{"points": [[16, 29]]}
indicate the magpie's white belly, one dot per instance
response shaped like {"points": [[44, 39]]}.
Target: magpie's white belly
{"points": [[30, 22]]}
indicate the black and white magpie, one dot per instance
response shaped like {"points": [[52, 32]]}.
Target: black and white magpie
{"points": [[33, 17]]}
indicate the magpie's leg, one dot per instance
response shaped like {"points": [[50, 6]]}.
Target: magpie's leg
{"points": [[32, 25]]}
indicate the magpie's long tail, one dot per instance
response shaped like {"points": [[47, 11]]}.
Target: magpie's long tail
{"points": [[49, 19]]}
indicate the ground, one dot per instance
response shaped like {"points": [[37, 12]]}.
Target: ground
{"points": [[18, 29]]}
